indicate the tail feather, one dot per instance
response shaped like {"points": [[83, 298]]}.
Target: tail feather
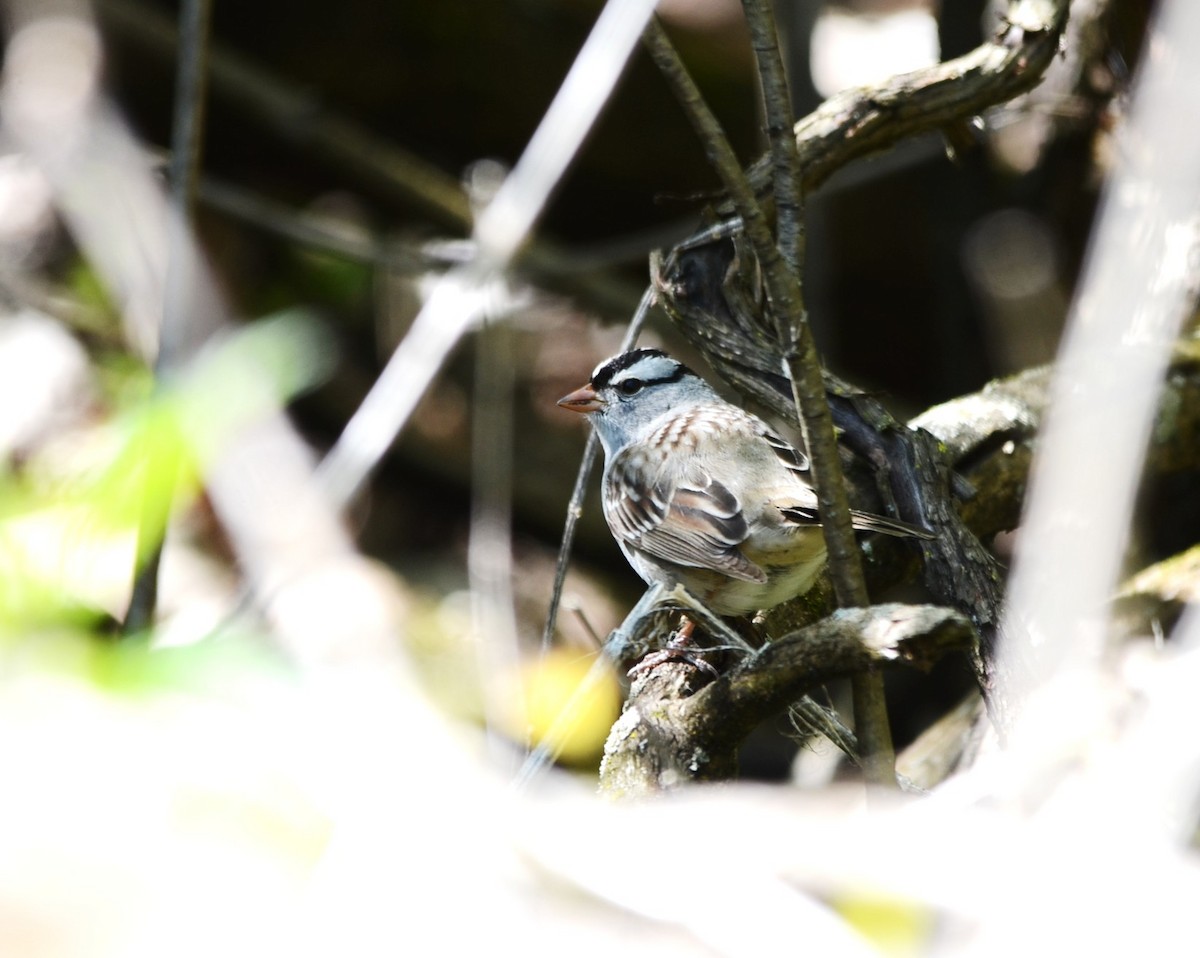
{"points": [[885, 525], [864, 522]]}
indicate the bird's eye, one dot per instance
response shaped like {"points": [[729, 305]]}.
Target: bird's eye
{"points": [[630, 387]]}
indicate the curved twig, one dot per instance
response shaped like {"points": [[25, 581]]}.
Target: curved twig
{"points": [[865, 120]]}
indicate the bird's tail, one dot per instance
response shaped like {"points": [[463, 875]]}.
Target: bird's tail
{"points": [[864, 522]]}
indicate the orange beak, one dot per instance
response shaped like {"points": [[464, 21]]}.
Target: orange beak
{"points": [[583, 399]]}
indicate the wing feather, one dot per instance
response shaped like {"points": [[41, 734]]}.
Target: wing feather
{"points": [[797, 463], [792, 458], [692, 521]]}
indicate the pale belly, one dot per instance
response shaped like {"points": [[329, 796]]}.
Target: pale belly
{"points": [[728, 596]]}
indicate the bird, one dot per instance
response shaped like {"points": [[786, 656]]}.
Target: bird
{"points": [[702, 494]]}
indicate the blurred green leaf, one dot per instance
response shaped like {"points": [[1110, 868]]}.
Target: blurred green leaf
{"points": [[89, 290], [67, 544]]}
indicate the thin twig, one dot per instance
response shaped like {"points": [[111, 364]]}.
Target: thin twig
{"points": [[187, 141], [574, 512], [802, 366], [186, 145], [300, 227], [360, 245], [588, 462], [785, 158]]}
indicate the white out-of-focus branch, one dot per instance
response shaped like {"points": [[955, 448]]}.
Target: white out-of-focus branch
{"points": [[1140, 279], [51, 105], [506, 223], [458, 302]]}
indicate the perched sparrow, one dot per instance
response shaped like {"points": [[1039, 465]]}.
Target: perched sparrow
{"points": [[700, 493]]}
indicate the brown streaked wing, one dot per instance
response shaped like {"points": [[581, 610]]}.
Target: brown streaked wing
{"points": [[695, 522]]}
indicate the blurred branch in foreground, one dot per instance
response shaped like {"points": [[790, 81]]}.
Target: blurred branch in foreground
{"points": [[299, 118]]}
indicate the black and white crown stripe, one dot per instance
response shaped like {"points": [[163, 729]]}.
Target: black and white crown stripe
{"points": [[651, 366]]}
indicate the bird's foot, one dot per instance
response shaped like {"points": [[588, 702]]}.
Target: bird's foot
{"points": [[678, 649]]}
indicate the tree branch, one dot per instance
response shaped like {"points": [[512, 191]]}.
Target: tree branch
{"points": [[866, 120], [667, 734], [785, 158]]}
